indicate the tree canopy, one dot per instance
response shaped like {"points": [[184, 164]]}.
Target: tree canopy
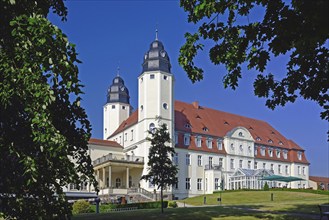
{"points": [[44, 131], [298, 29], [162, 170]]}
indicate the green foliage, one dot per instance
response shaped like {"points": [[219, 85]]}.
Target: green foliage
{"points": [[161, 172], [81, 206], [142, 205], [173, 204], [298, 29], [44, 131], [266, 187]]}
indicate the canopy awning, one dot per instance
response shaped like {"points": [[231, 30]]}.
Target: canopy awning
{"points": [[286, 179]]}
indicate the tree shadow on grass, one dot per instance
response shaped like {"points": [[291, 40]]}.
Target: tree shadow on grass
{"points": [[198, 213]]}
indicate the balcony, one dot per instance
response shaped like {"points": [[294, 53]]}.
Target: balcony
{"points": [[119, 158], [213, 167]]}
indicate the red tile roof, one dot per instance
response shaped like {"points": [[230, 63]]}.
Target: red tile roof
{"points": [[214, 123], [319, 179], [104, 143], [133, 119]]}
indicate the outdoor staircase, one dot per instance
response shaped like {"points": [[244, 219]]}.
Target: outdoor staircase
{"points": [[141, 195]]}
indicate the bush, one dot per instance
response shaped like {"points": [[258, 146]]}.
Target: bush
{"points": [[81, 206], [143, 205], [172, 204], [266, 188]]}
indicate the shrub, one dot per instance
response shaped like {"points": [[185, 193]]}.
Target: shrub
{"points": [[173, 204], [142, 205], [81, 206], [266, 188]]}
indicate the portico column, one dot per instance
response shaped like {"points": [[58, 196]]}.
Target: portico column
{"points": [[127, 177], [103, 183], [110, 176]]}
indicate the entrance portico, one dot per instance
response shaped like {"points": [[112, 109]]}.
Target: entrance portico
{"points": [[117, 173]]}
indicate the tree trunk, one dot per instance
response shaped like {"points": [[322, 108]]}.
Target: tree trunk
{"points": [[161, 199]]}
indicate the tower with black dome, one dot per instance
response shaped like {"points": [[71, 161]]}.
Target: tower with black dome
{"points": [[117, 107], [156, 90]]}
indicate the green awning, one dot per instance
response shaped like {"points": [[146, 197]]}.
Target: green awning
{"points": [[286, 179]]}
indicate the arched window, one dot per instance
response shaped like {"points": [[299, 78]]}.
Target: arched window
{"points": [[117, 182], [151, 127]]}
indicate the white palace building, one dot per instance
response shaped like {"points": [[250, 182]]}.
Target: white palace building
{"points": [[215, 150]]}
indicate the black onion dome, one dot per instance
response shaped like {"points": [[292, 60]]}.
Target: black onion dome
{"points": [[156, 58], [118, 92]]}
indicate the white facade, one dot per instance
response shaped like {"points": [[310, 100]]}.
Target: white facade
{"points": [[208, 156]]}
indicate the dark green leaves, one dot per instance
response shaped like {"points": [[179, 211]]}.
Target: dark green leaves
{"points": [[42, 125], [298, 29]]}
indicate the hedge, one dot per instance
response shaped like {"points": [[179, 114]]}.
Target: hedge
{"points": [[142, 205]]}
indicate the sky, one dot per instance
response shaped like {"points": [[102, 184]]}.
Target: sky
{"points": [[109, 34]]}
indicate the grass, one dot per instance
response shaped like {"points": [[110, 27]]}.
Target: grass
{"points": [[282, 200], [249, 205], [195, 213]]}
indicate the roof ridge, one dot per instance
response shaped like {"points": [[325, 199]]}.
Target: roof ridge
{"points": [[225, 112]]}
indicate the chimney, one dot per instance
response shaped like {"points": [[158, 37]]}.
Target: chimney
{"points": [[196, 104]]}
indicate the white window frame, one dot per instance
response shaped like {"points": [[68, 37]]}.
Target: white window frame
{"points": [[198, 141], [188, 183], [232, 164], [188, 159], [199, 184], [220, 163], [220, 144], [186, 139], [209, 143], [216, 183], [210, 162], [199, 160]]}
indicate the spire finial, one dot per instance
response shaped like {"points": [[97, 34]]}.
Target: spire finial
{"points": [[118, 70], [156, 34]]}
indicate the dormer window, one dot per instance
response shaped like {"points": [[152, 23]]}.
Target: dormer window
{"points": [[205, 129], [187, 125], [198, 141], [251, 128], [280, 143], [258, 139], [278, 153], [209, 143], [270, 152], [219, 144], [186, 139], [240, 134], [226, 123], [285, 154], [262, 151], [299, 155], [270, 141]]}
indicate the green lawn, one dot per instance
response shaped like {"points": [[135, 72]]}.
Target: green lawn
{"points": [[282, 200], [235, 205], [197, 213]]}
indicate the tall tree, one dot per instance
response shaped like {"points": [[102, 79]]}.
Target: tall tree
{"points": [[298, 29], [162, 170], [44, 131]]}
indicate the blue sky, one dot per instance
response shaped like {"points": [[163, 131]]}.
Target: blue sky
{"points": [[111, 33]]}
